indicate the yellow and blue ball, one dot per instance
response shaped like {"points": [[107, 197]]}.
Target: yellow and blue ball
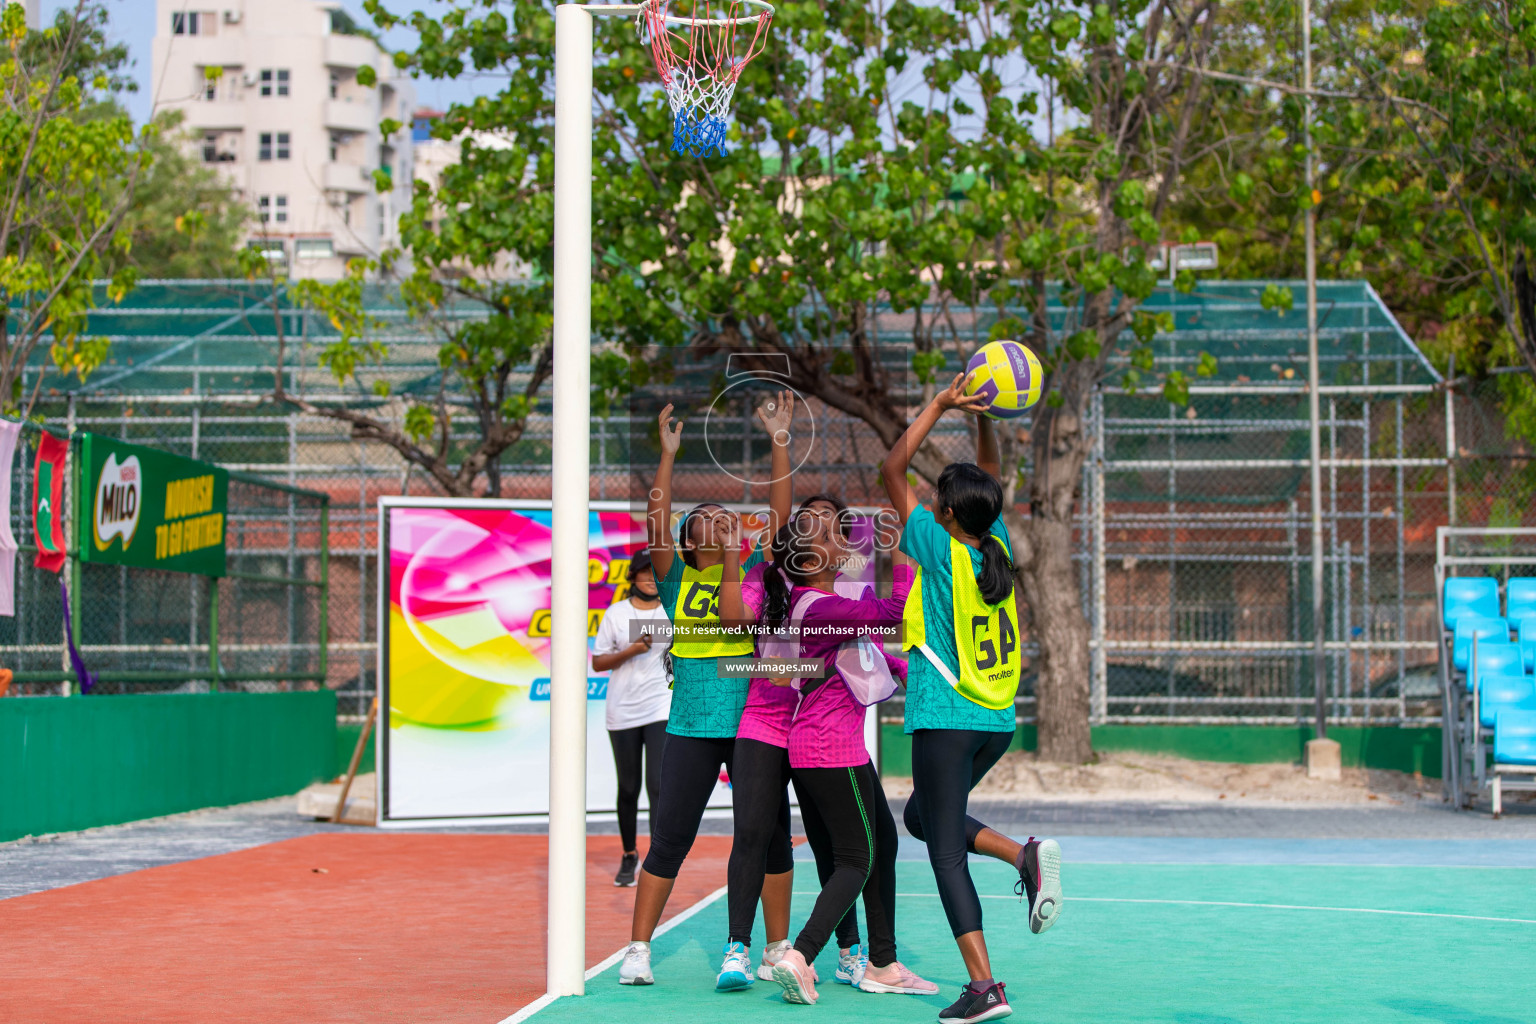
{"points": [[1008, 375]]}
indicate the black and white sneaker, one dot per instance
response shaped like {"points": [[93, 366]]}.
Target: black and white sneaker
{"points": [[1039, 881], [986, 1003], [626, 876]]}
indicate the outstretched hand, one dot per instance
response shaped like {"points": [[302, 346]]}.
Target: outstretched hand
{"points": [[954, 397], [671, 435], [776, 414]]}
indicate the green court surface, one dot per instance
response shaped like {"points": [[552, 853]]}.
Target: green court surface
{"points": [[1187, 943]]}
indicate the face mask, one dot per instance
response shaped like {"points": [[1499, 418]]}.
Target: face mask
{"points": [[644, 595]]}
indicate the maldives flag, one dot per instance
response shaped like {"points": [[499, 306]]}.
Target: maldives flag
{"points": [[48, 502]]}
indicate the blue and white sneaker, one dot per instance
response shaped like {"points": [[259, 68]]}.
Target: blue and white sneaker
{"points": [[736, 972], [851, 966]]}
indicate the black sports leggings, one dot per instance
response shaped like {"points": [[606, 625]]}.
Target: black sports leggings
{"points": [[946, 765], [690, 768], [761, 844], [628, 746], [863, 838]]}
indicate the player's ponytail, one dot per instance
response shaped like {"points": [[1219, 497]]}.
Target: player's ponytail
{"points": [[975, 498], [793, 558]]}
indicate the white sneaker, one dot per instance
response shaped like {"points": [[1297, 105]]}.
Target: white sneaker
{"points": [[636, 968], [736, 970], [851, 966]]}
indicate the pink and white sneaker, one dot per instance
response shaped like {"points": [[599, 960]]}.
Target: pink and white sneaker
{"points": [[895, 979]]}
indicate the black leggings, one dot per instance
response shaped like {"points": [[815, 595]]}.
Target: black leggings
{"points": [[690, 768], [863, 839], [628, 745], [946, 765], [761, 844]]}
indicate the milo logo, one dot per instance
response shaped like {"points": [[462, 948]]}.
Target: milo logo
{"points": [[118, 492]]}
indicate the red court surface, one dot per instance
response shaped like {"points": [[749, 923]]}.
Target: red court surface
{"points": [[393, 927]]}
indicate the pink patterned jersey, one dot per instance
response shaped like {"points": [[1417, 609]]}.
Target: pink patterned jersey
{"points": [[771, 708], [828, 729]]}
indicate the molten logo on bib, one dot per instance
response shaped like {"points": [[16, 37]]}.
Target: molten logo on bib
{"points": [[118, 492]]}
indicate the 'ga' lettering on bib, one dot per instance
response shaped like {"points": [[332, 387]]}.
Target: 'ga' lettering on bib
{"points": [[986, 637], [696, 616]]}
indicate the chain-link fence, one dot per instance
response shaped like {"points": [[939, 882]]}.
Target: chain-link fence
{"points": [[261, 627], [1193, 537]]}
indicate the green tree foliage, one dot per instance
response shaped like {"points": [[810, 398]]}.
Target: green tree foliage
{"points": [[925, 156], [185, 219], [67, 176]]}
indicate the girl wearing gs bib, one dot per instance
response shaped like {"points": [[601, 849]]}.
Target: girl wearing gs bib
{"points": [[832, 769], [961, 625], [705, 711]]}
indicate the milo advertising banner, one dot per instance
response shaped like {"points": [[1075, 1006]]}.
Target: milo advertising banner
{"points": [[150, 508]]}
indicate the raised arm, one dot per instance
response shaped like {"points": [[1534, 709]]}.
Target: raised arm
{"points": [[893, 472], [987, 456], [658, 503], [776, 414], [733, 610]]}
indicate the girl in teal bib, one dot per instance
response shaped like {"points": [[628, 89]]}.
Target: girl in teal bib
{"points": [[962, 625]]}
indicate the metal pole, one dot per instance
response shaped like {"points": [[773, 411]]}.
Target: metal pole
{"points": [[1097, 688], [571, 473], [1314, 381]]}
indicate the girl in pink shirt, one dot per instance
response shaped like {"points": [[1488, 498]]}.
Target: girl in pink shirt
{"points": [[762, 857], [830, 767]]}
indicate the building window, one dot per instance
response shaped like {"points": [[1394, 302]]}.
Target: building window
{"points": [[274, 81], [219, 148], [264, 209], [314, 249], [193, 23], [280, 209], [268, 150], [335, 85], [274, 249], [210, 89]]}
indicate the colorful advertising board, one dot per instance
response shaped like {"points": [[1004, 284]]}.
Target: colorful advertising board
{"points": [[150, 508], [464, 656]]}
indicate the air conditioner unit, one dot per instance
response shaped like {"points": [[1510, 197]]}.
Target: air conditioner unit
{"points": [[248, 80], [233, 17]]}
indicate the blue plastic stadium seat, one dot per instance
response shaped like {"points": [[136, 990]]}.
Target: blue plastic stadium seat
{"points": [[1486, 630], [1470, 595], [1520, 596], [1497, 659], [1528, 642], [1504, 693], [1514, 737]]}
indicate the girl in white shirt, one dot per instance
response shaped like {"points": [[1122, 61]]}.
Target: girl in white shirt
{"points": [[639, 700]]}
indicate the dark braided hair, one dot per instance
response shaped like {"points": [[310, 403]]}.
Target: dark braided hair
{"points": [[795, 563]]}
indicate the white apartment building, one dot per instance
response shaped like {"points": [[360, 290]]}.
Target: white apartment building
{"points": [[288, 124]]}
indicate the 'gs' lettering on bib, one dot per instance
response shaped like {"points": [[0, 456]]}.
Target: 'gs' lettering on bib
{"points": [[697, 618]]}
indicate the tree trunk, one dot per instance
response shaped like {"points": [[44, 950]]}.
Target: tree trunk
{"points": [[1049, 581], [1043, 548]]}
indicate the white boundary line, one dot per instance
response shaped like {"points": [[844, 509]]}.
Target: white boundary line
{"points": [[1258, 906], [592, 972]]}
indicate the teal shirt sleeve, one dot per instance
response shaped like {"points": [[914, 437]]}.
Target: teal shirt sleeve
{"points": [[1000, 529], [668, 587], [926, 541], [755, 558]]}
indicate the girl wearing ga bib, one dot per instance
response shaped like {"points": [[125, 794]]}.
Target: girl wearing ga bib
{"points": [[962, 628], [705, 709]]}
